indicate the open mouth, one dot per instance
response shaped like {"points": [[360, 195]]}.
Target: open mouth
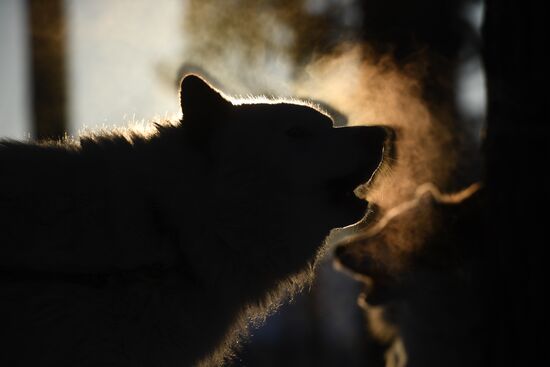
{"points": [[342, 189], [342, 197]]}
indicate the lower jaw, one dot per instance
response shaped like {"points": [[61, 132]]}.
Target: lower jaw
{"points": [[351, 211]]}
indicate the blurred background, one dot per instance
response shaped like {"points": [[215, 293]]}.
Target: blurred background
{"points": [[67, 65], [120, 60]]}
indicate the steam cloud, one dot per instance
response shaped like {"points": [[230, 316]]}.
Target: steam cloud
{"points": [[371, 93], [293, 48]]}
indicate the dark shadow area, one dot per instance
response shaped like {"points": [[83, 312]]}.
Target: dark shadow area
{"points": [[516, 150]]}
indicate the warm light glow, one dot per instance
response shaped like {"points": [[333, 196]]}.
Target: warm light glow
{"points": [[425, 190], [364, 87]]}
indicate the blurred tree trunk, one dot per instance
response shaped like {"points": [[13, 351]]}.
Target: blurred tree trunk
{"points": [[515, 39], [47, 33]]}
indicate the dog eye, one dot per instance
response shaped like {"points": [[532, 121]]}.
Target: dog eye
{"points": [[298, 132]]}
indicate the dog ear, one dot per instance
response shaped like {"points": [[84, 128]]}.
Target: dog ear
{"points": [[200, 103]]}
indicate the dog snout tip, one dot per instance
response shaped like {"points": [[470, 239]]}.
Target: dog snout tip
{"points": [[382, 134]]}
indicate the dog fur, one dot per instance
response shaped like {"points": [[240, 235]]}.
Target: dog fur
{"points": [[130, 249]]}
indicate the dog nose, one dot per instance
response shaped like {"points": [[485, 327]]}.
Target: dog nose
{"points": [[377, 132], [376, 138]]}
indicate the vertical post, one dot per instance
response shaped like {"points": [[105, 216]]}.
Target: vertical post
{"points": [[48, 89], [518, 131]]}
